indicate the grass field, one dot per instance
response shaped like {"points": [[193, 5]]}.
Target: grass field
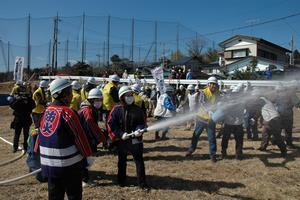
{"points": [[260, 175]]}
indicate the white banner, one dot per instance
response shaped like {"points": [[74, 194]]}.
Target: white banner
{"points": [[18, 71], [158, 75]]}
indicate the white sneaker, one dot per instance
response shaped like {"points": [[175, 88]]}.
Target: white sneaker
{"points": [[84, 184]]}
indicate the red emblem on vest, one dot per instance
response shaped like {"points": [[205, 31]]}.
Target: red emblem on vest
{"points": [[50, 122]]}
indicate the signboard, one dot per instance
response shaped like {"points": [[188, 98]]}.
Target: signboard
{"points": [[18, 70], [158, 75]]}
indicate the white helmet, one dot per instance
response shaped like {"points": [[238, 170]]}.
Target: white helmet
{"points": [[58, 85], [91, 80], [95, 94], [76, 85], [181, 87], [115, 78], [212, 79], [191, 87], [136, 87], [123, 90], [43, 84]]}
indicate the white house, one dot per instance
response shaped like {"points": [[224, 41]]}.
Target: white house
{"points": [[240, 51]]}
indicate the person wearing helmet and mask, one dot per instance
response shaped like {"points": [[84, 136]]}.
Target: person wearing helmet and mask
{"points": [[40, 98], [90, 84], [63, 144], [209, 100], [124, 119], [89, 118], [76, 100], [165, 108], [110, 94]]}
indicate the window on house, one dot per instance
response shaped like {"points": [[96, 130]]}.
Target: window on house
{"points": [[266, 54], [227, 54], [239, 53]]}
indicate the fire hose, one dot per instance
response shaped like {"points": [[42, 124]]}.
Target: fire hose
{"points": [[12, 160]]}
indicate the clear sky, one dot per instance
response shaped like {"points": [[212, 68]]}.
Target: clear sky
{"points": [[203, 16]]}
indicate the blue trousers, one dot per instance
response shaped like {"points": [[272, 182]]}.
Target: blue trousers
{"points": [[211, 134]]}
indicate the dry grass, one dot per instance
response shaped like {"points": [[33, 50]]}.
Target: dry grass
{"points": [[171, 175]]}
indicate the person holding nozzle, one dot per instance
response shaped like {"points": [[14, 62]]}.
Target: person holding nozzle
{"points": [[271, 124], [233, 123], [208, 103], [165, 108], [63, 144], [125, 124], [89, 118]]}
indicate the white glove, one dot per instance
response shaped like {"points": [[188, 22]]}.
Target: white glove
{"points": [[138, 133], [178, 110], [125, 136]]}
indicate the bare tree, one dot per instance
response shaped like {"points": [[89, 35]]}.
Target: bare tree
{"points": [[195, 47]]}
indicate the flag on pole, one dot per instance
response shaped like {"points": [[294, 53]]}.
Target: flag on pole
{"points": [[18, 70], [158, 75]]}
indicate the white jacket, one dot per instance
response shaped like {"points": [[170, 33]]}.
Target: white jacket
{"points": [[164, 107], [268, 111]]}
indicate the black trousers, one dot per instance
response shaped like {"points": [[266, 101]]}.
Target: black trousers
{"points": [[272, 127], [252, 130], [238, 133], [18, 129], [287, 125], [125, 147], [69, 183]]}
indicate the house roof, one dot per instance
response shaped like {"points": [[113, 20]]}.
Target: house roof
{"points": [[236, 37], [185, 60]]}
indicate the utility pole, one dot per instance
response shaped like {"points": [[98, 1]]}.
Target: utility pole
{"points": [[122, 50], [292, 50], [108, 38], [164, 51], [177, 41], [55, 44], [49, 54], [104, 56], [67, 52], [155, 41], [8, 52], [28, 48], [82, 44], [132, 39]]}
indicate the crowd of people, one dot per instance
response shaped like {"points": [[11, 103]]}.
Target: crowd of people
{"points": [[66, 118]]}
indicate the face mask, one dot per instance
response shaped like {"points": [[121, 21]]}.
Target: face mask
{"points": [[129, 100], [97, 104]]}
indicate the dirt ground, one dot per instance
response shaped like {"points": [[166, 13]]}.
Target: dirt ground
{"points": [[260, 175]]}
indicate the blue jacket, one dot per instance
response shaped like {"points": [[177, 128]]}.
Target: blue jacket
{"points": [[125, 118], [189, 76], [62, 141]]}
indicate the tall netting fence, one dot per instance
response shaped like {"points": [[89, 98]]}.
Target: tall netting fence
{"points": [[90, 39]]}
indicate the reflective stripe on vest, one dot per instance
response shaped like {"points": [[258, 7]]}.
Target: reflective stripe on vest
{"points": [[58, 152], [61, 162]]}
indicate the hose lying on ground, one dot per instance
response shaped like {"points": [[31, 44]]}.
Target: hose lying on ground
{"points": [[13, 159]]}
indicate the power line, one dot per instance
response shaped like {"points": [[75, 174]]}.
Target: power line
{"points": [[252, 25]]}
